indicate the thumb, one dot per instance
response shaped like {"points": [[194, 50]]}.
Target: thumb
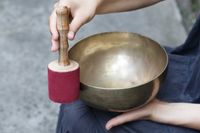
{"points": [[78, 20], [121, 119], [126, 117]]}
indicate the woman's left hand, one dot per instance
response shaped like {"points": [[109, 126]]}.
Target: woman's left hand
{"points": [[136, 114]]}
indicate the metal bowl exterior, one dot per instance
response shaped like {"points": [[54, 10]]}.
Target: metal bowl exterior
{"points": [[105, 99], [120, 100], [119, 70]]}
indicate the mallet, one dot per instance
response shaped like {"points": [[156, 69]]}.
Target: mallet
{"points": [[63, 74]]}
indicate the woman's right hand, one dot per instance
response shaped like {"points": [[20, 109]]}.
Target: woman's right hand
{"points": [[81, 12]]}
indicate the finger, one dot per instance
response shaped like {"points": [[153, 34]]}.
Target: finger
{"points": [[52, 25], [75, 25], [54, 32], [121, 119], [125, 117], [55, 45]]}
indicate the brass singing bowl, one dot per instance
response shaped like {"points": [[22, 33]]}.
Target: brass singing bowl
{"points": [[118, 70]]}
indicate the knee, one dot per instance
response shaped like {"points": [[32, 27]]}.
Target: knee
{"points": [[71, 115], [72, 112], [77, 118]]}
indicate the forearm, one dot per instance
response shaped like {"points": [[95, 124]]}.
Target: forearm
{"points": [[180, 114], [109, 6]]}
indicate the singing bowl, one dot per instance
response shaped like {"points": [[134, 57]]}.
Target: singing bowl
{"points": [[118, 70]]}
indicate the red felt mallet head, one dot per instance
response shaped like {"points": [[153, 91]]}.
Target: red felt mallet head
{"points": [[63, 74]]}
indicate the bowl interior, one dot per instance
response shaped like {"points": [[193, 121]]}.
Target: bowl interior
{"points": [[118, 60]]}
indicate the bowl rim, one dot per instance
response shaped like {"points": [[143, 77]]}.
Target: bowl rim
{"points": [[121, 32]]}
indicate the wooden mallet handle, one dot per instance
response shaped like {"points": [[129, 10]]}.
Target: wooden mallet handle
{"points": [[63, 28]]}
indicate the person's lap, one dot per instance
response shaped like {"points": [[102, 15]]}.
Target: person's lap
{"points": [[79, 118]]}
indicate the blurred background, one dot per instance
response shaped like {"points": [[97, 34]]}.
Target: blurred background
{"points": [[25, 53]]}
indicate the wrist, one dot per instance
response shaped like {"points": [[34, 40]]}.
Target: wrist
{"points": [[155, 108]]}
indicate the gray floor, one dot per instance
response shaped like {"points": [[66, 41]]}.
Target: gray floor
{"points": [[24, 52]]}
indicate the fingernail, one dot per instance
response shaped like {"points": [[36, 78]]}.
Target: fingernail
{"points": [[108, 127], [71, 35], [54, 46]]}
